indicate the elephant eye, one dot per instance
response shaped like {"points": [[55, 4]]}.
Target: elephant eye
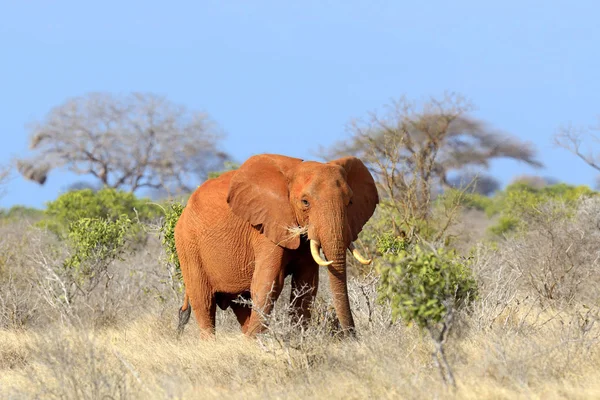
{"points": [[305, 203]]}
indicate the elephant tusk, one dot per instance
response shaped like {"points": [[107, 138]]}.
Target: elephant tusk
{"points": [[358, 256], [315, 246]]}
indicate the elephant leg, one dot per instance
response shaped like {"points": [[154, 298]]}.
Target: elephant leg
{"points": [[266, 287], [305, 282], [242, 313], [198, 293], [205, 310]]}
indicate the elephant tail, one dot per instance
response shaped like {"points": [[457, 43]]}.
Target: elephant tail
{"points": [[184, 314]]}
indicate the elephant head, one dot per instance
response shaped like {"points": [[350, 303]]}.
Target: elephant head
{"points": [[329, 202]]}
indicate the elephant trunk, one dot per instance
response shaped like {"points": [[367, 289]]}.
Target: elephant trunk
{"points": [[337, 281], [334, 236], [336, 252]]}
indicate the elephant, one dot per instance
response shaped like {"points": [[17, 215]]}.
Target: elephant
{"points": [[244, 232]]}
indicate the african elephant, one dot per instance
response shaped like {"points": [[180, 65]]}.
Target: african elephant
{"points": [[245, 231]]}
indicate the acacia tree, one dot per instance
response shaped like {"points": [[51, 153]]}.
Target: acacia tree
{"points": [[412, 150], [130, 142]]}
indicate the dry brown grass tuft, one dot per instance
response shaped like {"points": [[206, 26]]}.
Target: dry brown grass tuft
{"points": [[298, 230]]}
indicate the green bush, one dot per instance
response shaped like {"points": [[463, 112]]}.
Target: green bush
{"points": [[387, 223], [167, 231], [520, 204], [96, 241], [504, 225], [390, 243], [21, 212], [474, 201], [423, 286], [108, 204]]}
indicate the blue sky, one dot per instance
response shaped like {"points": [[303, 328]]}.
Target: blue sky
{"points": [[286, 77]]}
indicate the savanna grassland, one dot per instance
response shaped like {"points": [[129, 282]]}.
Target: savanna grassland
{"points": [[98, 320], [475, 291]]}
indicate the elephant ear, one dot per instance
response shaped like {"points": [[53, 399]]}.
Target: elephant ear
{"points": [[259, 194], [365, 197]]}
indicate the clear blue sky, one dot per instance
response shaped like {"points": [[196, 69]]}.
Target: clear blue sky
{"points": [[285, 77]]}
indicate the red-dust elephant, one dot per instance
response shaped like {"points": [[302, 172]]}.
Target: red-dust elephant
{"points": [[245, 231]]}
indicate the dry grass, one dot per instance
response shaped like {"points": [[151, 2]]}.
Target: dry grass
{"points": [[514, 343], [142, 359]]}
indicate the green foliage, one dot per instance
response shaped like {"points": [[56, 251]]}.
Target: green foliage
{"points": [[388, 224], [96, 242], [424, 285], [384, 220], [167, 230], [229, 166], [106, 203], [20, 212], [390, 243], [470, 200], [521, 203], [567, 192], [505, 224]]}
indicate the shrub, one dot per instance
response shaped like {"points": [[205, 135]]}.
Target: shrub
{"points": [[95, 243], [108, 204], [469, 200], [70, 277], [389, 226], [557, 254], [167, 231], [390, 243], [20, 212], [426, 287], [506, 223], [520, 204]]}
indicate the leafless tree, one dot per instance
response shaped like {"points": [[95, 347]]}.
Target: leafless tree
{"points": [[132, 142], [411, 150], [579, 142]]}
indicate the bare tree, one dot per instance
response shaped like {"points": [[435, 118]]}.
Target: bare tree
{"points": [[579, 142], [411, 149], [129, 142]]}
